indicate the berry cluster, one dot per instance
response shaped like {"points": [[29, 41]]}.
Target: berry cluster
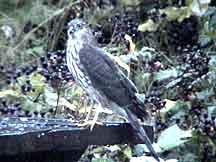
{"points": [[11, 73], [203, 124], [27, 87], [206, 125], [15, 109], [125, 24], [197, 62], [154, 101], [54, 68], [195, 68], [182, 34], [160, 125], [11, 109], [199, 120], [116, 27], [7, 109]]}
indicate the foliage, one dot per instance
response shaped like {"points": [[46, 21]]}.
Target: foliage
{"points": [[173, 66]]}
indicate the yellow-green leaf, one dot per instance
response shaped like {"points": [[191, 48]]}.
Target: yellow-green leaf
{"points": [[149, 25], [9, 92], [174, 13]]}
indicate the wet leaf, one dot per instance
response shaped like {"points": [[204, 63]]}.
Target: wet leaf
{"points": [[102, 160], [173, 137], [145, 159], [165, 74], [199, 7], [9, 92], [37, 82], [149, 26], [169, 105], [32, 106], [128, 152], [174, 13], [35, 50], [173, 83], [50, 96], [51, 99], [205, 94], [189, 158]]}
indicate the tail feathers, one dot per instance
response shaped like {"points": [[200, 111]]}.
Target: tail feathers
{"points": [[141, 133], [139, 109]]}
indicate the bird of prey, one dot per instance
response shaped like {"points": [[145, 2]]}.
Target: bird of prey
{"points": [[95, 72]]}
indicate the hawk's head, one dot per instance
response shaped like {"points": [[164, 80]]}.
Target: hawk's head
{"points": [[80, 32], [77, 28]]}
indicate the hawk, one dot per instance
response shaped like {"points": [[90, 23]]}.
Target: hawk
{"points": [[100, 77]]}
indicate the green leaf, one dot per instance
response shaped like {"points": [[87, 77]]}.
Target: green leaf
{"points": [[199, 7], [149, 26], [169, 105], [173, 137], [174, 108], [212, 110], [9, 92], [38, 82], [142, 80], [146, 159], [212, 62], [38, 50], [102, 160], [165, 74], [204, 40], [146, 54], [32, 106], [205, 94], [174, 13], [129, 2], [177, 106], [128, 152], [189, 158], [50, 96], [173, 83]]}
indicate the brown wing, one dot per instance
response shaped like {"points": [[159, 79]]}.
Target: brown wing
{"points": [[108, 79]]}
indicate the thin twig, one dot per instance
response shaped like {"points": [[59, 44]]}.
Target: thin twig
{"points": [[58, 30], [112, 37], [58, 97]]}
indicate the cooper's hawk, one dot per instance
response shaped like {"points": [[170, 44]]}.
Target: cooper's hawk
{"points": [[102, 79]]}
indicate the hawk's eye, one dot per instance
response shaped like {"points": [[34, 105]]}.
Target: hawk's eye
{"points": [[71, 32]]}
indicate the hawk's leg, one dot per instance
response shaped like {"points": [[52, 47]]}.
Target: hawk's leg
{"points": [[98, 110], [91, 123], [89, 112]]}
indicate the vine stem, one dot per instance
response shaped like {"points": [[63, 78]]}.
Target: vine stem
{"points": [[58, 98]]}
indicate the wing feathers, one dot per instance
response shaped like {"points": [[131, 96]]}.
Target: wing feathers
{"points": [[108, 79]]}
